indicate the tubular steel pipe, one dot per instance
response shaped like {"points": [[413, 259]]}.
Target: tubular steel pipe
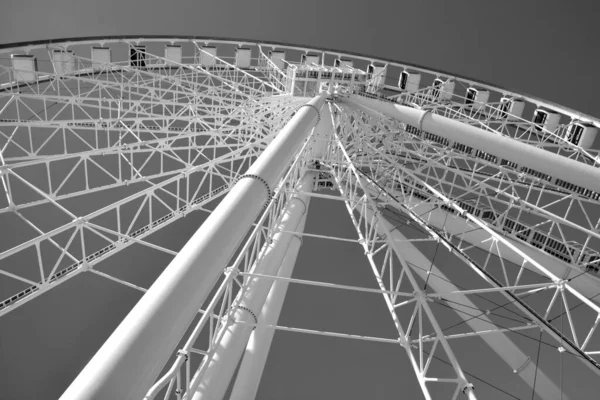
{"points": [[503, 147], [130, 360]]}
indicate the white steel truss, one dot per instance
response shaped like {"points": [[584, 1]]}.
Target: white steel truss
{"points": [[97, 156]]}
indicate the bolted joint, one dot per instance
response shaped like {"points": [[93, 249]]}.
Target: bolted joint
{"points": [[468, 387], [183, 353], [232, 270], [420, 294], [270, 193], [254, 317]]}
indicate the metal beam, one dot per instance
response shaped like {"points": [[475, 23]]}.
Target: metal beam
{"points": [[132, 357], [506, 148]]}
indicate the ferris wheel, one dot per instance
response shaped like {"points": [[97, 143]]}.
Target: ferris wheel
{"points": [[474, 211]]}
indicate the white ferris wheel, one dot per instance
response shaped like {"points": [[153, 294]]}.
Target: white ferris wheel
{"points": [[474, 211]]}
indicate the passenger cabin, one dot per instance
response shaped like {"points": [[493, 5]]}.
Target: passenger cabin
{"points": [[311, 59], [343, 63], [277, 58], [409, 81], [545, 119], [173, 54], [137, 56], [581, 134], [476, 98], [242, 57], [208, 56], [100, 57], [376, 77], [443, 90], [511, 109], [63, 61], [24, 67]]}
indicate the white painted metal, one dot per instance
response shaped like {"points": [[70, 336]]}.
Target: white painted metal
{"points": [[213, 383], [512, 107], [173, 54], [409, 81], [500, 343], [476, 98], [134, 354], [257, 349], [259, 343], [242, 57], [208, 56], [581, 134], [540, 160], [206, 122], [63, 61], [100, 56], [468, 232], [310, 59], [278, 57], [24, 67]]}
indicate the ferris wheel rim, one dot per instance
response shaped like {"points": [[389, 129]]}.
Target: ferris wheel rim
{"points": [[4, 47]]}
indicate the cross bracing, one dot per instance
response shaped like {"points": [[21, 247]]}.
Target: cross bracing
{"points": [[100, 155]]}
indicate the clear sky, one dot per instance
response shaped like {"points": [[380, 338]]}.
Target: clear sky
{"points": [[547, 49]]}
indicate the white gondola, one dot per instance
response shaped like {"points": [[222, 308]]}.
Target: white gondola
{"points": [[581, 134], [376, 77], [242, 57], [443, 89], [63, 61], [173, 54], [343, 63], [208, 56], [24, 66], [409, 81], [476, 98], [277, 58], [545, 119], [511, 109], [568, 252], [100, 57], [311, 59]]}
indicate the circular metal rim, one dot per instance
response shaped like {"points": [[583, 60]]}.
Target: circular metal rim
{"points": [[574, 114]]}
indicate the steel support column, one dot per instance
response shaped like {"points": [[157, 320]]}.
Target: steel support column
{"points": [[132, 357]]}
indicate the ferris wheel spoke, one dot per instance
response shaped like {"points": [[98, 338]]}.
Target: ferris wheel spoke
{"points": [[370, 229], [181, 195], [540, 209], [465, 239], [96, 252], [561, 337]]}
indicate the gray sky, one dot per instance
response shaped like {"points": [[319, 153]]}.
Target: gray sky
{"points": [[547, 49]]}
